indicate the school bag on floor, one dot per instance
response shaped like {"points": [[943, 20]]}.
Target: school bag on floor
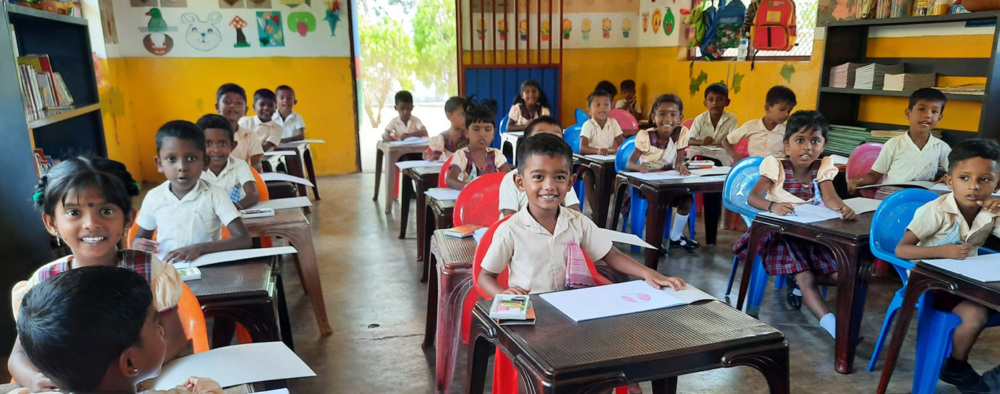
{"points": [[774, 26]]}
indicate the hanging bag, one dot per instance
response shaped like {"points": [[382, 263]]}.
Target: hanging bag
{"points": [[774, 26]]}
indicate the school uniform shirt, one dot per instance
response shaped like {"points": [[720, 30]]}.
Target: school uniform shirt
{"points": [[266, 131], [164, 280], [623, 104], [441, 143], [518, 117], [495, 160], [652, 150], [515, 200], [196, 218], [762, 142], [231, 179], [601, 137], [901, 161], [536, 259], [289, 124], [772, 169], [940, 220], [399, 127], [247, 145], [702, 127]]}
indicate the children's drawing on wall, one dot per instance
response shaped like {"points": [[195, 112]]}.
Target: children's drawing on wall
{"points": [[480, 31], [144, 3], [606, 28], [668, 22], [332, 16], [156, 23], [158, 44], [502, 29], [645, 21], [302, 22], [258, 3], [567, 28], [585, 31], [546, 30], [787, 71], [269, 29], [697, 82], [241, 39], [296, 3], [626, 27], [836, 10], [657, 19], [173, 3], [224, 4], [202, 34], [522, 29]]}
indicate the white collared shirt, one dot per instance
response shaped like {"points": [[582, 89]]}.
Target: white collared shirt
{"points": [[194, 219], [235, 174], [763, 142], [935, 220], [702, 127], [247, 145], [266, 131], [289, 124], [901, 161], [601, 137]]}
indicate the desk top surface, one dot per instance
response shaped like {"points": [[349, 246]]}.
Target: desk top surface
{"points": [[993, 287], [454, 251], [245, 278], [425, 171], [281, 216]]}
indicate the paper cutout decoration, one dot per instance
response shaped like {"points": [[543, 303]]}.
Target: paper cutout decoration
{"points": [[567, 28], [144, 3], [202, 35], [585, 31], [226, 4], [296, 3], [171, 3], [626, 27], [480, 31], [606, 28], [158, 44], [546, 30], [645, 21], [241, 39], [332, 16], [636, 297], [269, 29], [156, 23], [668, 22], [697, 82], [657, 19], [258, 3], [522, 29], [502, 29], [737, 82], [787, 71], [302, 22]]}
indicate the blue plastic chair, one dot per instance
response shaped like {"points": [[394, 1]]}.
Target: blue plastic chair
{"points": [[739, 182], [581, 117], [497, 138], [934, 327], [572, 137]]}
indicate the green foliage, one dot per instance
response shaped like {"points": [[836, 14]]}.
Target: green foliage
{"points": [[434, 41], [386, 56], [697, 82], [787, 71], [737, 82]]}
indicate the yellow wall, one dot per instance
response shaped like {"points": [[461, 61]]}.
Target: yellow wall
{"points": [[584, 68], [144, 93]]}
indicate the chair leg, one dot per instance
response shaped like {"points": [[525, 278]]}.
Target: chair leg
{"points": [[934, 333], [779, 282], [732, 275], [758, 282], [693, 218], [378, 171], [890, 315]]}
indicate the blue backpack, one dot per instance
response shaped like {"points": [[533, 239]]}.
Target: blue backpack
{"points": [[724, 28]]}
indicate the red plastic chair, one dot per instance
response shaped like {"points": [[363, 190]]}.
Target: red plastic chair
{"points": [[479, 201], [860, 163], [625, 120], [443, 176], [504, 374], [741, 147]]}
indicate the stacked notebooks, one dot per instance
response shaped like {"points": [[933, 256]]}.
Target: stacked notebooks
{"points": [[842, 76], [844, 139], [872, 76], [908, 82]]}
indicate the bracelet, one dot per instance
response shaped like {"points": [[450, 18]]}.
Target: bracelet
{"points": [[769, 206]]}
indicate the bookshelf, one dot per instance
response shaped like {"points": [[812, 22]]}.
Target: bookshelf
{"points": [[26, 244], [847, 41]]}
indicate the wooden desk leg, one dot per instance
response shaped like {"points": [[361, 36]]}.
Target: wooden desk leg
{"points": [[307, 158], [390, 179], [480, 350], [430, 324], [852, 288], [915, 287], [656, 218], [404, 206], [421, 217], [665, 386], [619, 197], [379, 155], [293, 163], [603, 188], [757, 233], [429, 225], [301, 239], [770, 360], [713, 211]]}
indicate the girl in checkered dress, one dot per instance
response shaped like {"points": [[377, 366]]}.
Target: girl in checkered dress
{"points": [[800, 178]]}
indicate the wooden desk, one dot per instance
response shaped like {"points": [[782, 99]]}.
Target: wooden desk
{"points": [[386, 157], [925, 278], [449, 285], [437, 215], [295, 164], [604, 175], [557, 355], [293, 226], [424, 178], [660, 195], [849, 242]]}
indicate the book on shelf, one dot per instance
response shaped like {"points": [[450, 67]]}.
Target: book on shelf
{"points": [[49, 89], [908, 82]]}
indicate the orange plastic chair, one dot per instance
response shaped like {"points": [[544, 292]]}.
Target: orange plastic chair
{"points": [[625, 120], [132, 231], [504, 375], [443, 176], [193, 320], [479, 202]]}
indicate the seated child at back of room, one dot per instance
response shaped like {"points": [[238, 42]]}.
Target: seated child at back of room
{"points": [[268, 132], [405, 125], [231, 103], [712, 126], [478, 158], [511, 198], [527, 106], [629, 101], [232, 176], [443, 145], [764, 134], [286, 117]]}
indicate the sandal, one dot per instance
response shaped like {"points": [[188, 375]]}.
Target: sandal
{"points": [[791, 300]]}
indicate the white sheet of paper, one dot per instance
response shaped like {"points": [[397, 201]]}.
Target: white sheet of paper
{"points": [[236, 364], [690, 294], [838, 159], [625, 238], [862, 205], [285, 203], [278, 391], [402, 165], [411, 141], [659, 175], [280, 177], [712, 148], [711, 171], [807, 213], [611, 300], [280, 153], [602, 157], [303, 142], [443, 194], [478, 234], [984, 268], [239, 254]]}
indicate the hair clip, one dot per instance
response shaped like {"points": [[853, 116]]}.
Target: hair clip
{"points": [[37, 196]]}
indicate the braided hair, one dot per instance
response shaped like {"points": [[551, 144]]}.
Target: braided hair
{"points": [[79, 173]]}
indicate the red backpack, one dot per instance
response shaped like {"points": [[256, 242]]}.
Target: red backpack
{"points": [[774, 26]]}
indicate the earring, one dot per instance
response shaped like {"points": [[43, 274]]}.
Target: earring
{"points": [[58, 240], [133, 371]]}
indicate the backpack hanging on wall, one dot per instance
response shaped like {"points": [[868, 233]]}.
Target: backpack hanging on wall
{"points": [[728, 25], [774, 26]]}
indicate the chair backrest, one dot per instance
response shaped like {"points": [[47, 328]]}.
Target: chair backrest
{"points": [[624, 153], [581, 116], [860, 163], [741, 147], [192, 320], [889, 225], [572, 137], [736, 189], [688, 123], [443, 176], [502, 127], [625, 119], [261, 186], [132, 231], [479, 201]]}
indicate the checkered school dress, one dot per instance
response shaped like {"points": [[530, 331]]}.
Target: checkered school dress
{"points": [[788, 255], [654, 140], [491, 167], [134, 260]]}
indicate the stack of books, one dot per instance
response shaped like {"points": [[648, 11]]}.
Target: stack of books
{"points": [[972, 89], [872, 76], [908, 82], [844, 139], [41, 87], [842, 76]]}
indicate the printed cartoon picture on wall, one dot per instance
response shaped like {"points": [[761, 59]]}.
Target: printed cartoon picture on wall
{"points": [[546, 30], [202, 34], [606, 28], [241, 39], [332, 16], [269, 29], [668, 22], [697, 82], [157, 42], [502, 29], [225, 4], [296, 3], [626, 27], [585, 31], [144, 3], [657, 18], [173, 3], [258, 3], [567, 28], [645, 21], [522, 29], [302, 22], [480, 31]]}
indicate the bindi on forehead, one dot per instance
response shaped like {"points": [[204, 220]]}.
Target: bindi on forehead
{"points": [[90, 205]]}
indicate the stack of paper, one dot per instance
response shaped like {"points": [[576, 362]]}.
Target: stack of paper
{"points": [[620, 299], [872, 76], [237, 364], [971, 89], [985, 268], [842, 140], [908, 82], [842, 76]]}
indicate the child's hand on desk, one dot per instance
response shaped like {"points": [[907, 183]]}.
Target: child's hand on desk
{"points": [[145, 245], [782, 208], [603, 152], [658, 280], [846, 213], [187, 253], [201, 385], [707, 141], [852, 186], [992, 205], [516, 290], [957, 251], [644, 168], [683, 170]]}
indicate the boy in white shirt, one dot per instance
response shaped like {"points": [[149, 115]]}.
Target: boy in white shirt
{"points": [[268, 132], [712, 126], [600, 135], [628, 101], [512, 199], [766, 135], [405, 125], [286, 117], [232, 176], [231, 102]]}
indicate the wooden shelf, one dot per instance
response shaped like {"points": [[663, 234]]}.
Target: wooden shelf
{"points": [[54, 116], [888, 93], [910, 20], [43, 15]]}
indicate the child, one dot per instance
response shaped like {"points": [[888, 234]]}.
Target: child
{"points": [[655, 151], [268, 132], [186, 211], [609, 87], [232, 176], [527, 106], [545, 228], [711, 127], [405, 125], [800, 178], [628, 101], [477, 158], [764, 134], [599, 135], [512, 199], [87, 203], [954, 226], [231, 102], [444, 145], [286, 117], [916, 155], [96, 329]]}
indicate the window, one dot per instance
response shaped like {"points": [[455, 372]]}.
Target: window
{"points": [[805, 31]]}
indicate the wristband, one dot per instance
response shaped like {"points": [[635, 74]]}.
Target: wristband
{"points": [[769, 206]]}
